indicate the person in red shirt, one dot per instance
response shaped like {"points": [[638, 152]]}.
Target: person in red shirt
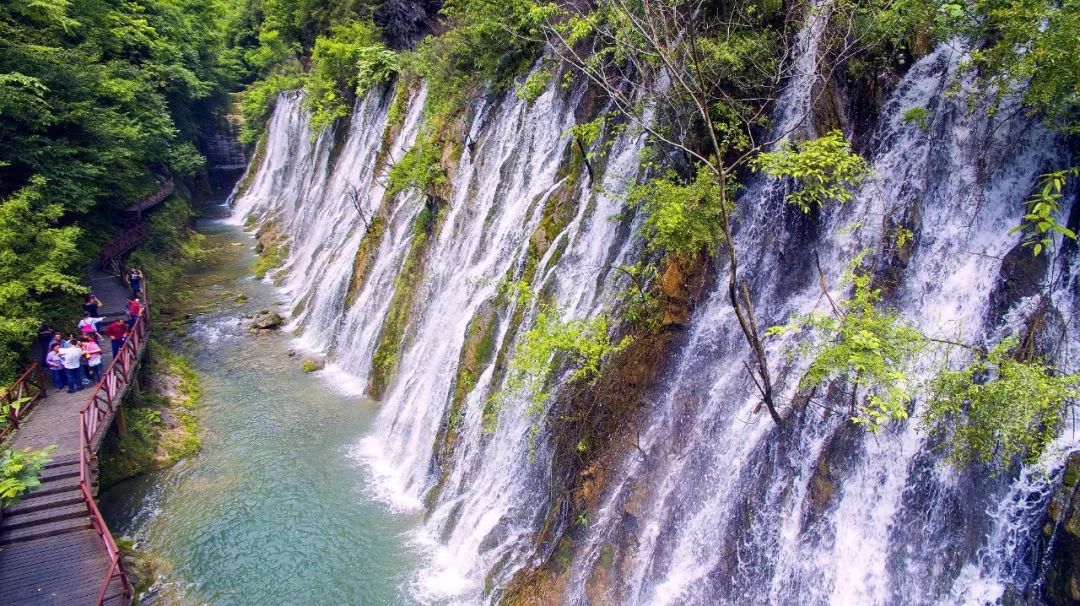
{"points": [[134, 309], [117, 332]]}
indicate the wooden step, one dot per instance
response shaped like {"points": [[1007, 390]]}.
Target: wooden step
{"points": [[53, 487], [59, 473], [62, 461], [62, 499], [29, 533], [44, 516]]}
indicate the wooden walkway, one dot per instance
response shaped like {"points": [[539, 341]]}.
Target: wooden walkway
{"points": [[51, 551]]}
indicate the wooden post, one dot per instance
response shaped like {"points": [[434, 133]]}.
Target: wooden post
{"points": [[121, 421], [136, 390]]}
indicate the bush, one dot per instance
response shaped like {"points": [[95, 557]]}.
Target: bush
{"points": [[681, 219], [344, 65], [998, 407]]}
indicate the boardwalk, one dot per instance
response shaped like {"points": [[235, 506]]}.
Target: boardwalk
{"points": [[49, 551]]}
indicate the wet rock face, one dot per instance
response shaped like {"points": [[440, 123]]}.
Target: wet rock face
{"points": [[1063, 525], [1021, 276], [405, 22]]}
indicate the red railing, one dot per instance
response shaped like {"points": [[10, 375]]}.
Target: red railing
{"points": [[112, 252], [104, 401], [31, 385], [164, 190]]}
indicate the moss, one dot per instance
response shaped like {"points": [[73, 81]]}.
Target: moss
{"points": [[404, 89], [312, 365], [1072, 470], [140, 566], [161, 429], [607, 556], [256, 161], [597, 414], [365, 254], [272, 248], [563, 555], [477, 353], [392, 334]]}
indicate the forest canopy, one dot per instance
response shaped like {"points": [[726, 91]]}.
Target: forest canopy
{"points": [[98, 100]]}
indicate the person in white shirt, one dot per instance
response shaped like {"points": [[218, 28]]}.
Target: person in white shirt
{"points": [[72, 357]]}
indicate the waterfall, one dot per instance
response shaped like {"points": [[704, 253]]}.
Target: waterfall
{"points": [[718, 505]]}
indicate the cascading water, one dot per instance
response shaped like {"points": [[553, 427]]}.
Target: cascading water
{"points": [[718, 505], [734, 510]]}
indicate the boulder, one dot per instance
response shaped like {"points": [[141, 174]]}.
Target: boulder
{"points": [[267, 320]]}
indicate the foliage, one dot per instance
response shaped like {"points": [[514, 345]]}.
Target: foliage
{"points": [[998, 407], [8, 408], [169, 245], [1025, 45], [680, 218], [579, 346], [825, 167], [345, 64], [162, 428], [19, 471], [866, 348], [639, 304], [38, 258], [259, 98], [534, 85], [95, 97], [485, 41], [419, 168], [1040, 222], [919, 116]]}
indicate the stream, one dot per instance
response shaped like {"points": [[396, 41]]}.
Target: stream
{"points": [[273, 509]]}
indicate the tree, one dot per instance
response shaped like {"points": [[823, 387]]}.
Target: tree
{"points": [[715, 73]]}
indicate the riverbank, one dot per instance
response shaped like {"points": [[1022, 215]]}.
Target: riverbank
{"points": [[161, 423]]}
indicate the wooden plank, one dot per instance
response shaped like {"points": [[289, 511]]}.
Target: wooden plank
{"points": [[41, 550], [42, 516], [45, 502], [17, 535]]}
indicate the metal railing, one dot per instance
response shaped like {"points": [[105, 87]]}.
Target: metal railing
{"points": [[30, 388], [106, 398]]}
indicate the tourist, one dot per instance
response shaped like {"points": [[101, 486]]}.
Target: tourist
{"points": [[72, 357], [44, 337], [135, 279], [91, 305], [92, 353], [88, 326], [56, 365], [134, 309], [117, 332]]}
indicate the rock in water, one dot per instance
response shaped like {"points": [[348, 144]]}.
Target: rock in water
{"points": [[267, 320]]}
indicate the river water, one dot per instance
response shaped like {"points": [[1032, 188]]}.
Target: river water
{"points": [[272, 510]]}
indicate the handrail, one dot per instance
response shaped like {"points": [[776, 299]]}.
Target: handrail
{"points": [[104, 401], [164, 190], [31, 383], [128, 240]]}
